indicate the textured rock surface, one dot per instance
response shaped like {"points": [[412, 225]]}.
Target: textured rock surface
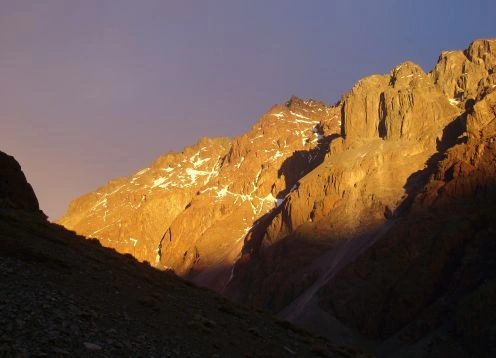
{"points": [[404, 104], [131, 214], [463, 75]]}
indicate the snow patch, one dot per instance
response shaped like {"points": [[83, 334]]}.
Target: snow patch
{"points": [[102, 201], [143, 171], [167, 184], [454, 101], [305, 122], [199, 162], [278, 115], [302, 135], [222, 192], [158, 182], [277, 155], [193, 173], [298, 115], [240, 161]]}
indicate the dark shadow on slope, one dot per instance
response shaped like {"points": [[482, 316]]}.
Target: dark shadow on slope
{"points": [[425, 274], [415, 280], [303, 162], [452, 135], [293, 169], [119, 305]]}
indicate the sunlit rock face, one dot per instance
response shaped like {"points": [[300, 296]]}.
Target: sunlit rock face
{"points": [[131, 214], [469, 74], [190, 211], [323, 213]]}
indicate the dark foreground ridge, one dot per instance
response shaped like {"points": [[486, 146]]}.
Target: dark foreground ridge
{"points": [[64, 295]]}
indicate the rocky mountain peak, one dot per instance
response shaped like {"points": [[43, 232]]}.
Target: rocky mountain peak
{"points": [[15, 191], [406, 74], [402, 104], [482, 51], [464, 75]]}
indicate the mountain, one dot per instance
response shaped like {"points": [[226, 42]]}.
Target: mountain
{"points": [[190, 211], [371, 219], [65, 295]]}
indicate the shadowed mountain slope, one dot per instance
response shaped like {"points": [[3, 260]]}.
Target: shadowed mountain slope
{"points": [[64, 295]]}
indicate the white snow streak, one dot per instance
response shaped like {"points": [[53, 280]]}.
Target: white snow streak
{"points": [[143, 171], [240, 161], [453, 101], [158, 182], [193, 173], [199, 162], [298, 115], [277, 155]]}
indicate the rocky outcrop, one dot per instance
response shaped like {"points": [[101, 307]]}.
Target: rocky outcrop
{"points": [[15, 191], [469, 74], [404, 104]]}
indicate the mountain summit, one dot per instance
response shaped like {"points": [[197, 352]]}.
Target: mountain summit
{"points": [[372, 219], [190, 211]]}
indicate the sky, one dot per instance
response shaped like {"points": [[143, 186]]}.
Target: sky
{"points": [[92, 90]]}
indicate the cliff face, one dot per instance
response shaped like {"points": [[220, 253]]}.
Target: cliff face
{"points": [[436, 263], [367, 212]]}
